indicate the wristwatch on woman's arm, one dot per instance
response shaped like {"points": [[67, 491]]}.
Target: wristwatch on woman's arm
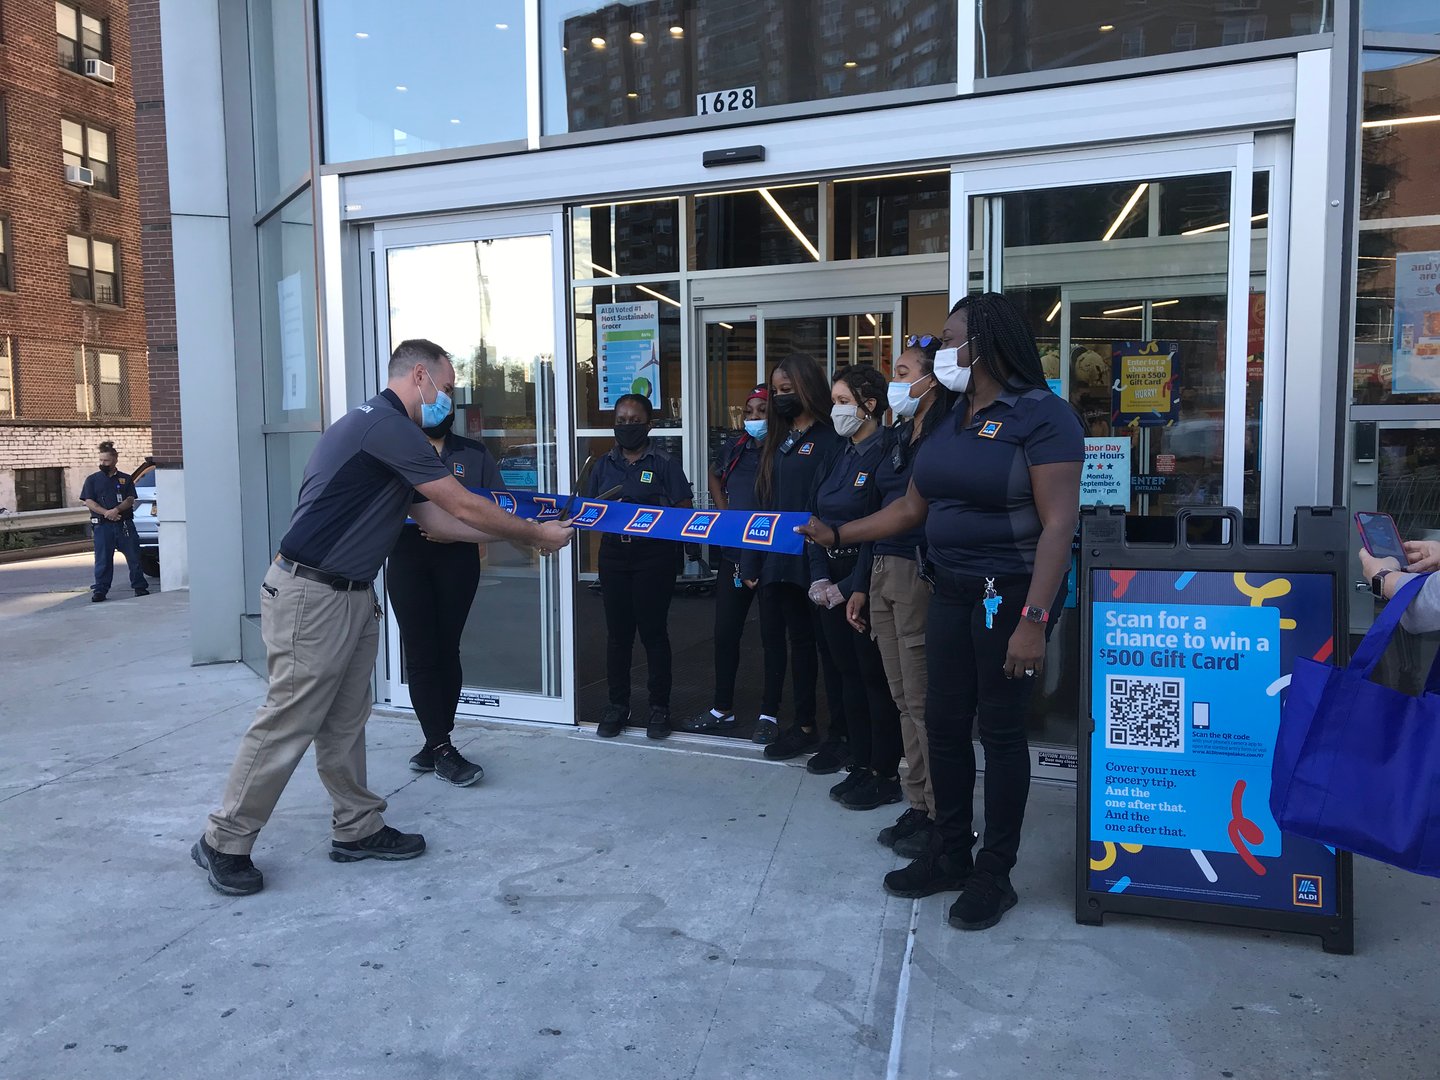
{"points": [[1377, 583]]}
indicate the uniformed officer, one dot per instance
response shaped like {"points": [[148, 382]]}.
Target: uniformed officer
{"points": [[110, 495], [431, 584], [319, 617], [868, 744], [637, 573]]}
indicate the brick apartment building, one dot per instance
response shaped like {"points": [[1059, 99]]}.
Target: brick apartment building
{"points": [[73, 364]]}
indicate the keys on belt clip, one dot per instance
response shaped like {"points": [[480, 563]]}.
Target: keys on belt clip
{"points": [[992, 603]]}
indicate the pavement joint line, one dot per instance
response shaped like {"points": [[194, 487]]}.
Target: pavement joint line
{"points": [[902, 997]]}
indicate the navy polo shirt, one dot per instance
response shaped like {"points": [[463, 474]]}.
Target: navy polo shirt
{"points": [[736, 466], [804, 457], [847, 492], [655, 479], [982, 519], [892, 481], [470, 463], [109, 491]]}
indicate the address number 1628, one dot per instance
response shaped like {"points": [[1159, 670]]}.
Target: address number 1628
{"points": [[740, 99]]}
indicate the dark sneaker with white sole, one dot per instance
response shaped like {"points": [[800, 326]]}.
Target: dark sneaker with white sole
{"points": [[387, 843], [930, 874], [986, 897], [833, 755], [452, 767], [874, 793], [613, 721], [233, 875], [906, 825], [424, 761]]}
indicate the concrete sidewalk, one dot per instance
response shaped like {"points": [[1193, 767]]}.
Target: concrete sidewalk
{"points": [[593, 909]]}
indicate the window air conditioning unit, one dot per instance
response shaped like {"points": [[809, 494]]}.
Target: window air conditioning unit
{"points": [[100, 69], [78, 174]]}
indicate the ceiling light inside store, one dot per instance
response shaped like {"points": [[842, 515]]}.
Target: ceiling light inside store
{"points": [[598, 42], [789, 223], [1222, 225], [637, 37], [677, 31], [891, 176], [851, 63], [1124, 212], [1138, 307], [605, 271], [1107, 27], [1053, 312], [727, 326], [632, 95], [872, 320], [1400, 120]]}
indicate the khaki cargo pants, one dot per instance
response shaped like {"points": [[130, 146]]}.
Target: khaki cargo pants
{"points": [[320, 648], [899, 610]]}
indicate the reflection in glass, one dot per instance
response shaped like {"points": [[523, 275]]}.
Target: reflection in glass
{"points": [[730, 375], [280, 97], [888, 216], [385, 91], [289, 356], [490, 303], [286, 453], [610, 64], [638, 239], [1400, 217], [665, 296], [1401, 16], [1042, 35], [759, 227]]}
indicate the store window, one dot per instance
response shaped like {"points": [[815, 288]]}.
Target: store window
{"points": [[289, 355], [1397, 307], [607, 65], [94, 270], [280, 97], [638, 239], [1014, 38], [9, 398], [88, 148], [101, 389], [1401, 16], [385, 91], [7, 277], [887, 216], [80, 37], [769, 226], [4, 133], [39, 489], [627, 341]]}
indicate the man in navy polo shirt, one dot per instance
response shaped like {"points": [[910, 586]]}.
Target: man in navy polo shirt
{"points": [[110, 495]]}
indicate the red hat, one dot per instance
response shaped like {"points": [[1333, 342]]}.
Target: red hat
{"points": [[761, 392]]}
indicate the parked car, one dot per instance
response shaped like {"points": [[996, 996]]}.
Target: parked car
{"points": [[147, 519]]}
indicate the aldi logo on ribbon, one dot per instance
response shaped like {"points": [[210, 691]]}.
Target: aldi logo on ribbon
{"points": [[760, 530], [545, 508], [589, 515], [643, 521], [503, 499], [699, 525]]}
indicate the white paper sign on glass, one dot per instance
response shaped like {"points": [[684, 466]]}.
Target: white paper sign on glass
{"points": [[1105, 479], [1417, 323], [296, 389], [717, 102], [629, 351]]}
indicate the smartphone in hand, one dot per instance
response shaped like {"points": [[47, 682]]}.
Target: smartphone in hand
{"points": [[1380, 536]]}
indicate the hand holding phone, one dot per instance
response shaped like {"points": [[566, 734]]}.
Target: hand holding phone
{"points": [[1380, 537]]}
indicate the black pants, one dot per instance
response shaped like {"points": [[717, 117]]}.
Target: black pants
{"points": [[870, 722], [786, 617], [966, 662], [732, 608], [637, 592], [431, 587]]}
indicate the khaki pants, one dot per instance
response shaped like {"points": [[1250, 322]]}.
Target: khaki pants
{"points": [[899, 606], [320, 652]]}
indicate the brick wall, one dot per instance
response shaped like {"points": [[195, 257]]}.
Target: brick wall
{"points": [[156, 250], [45, 324], [70, 447]]}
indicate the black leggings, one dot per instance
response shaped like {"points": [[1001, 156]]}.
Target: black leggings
{"points": [[637, 592], [785, 613], [871, 721], [431, 587], [732, 608]]}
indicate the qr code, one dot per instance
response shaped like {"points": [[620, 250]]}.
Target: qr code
{"points": [[1143, 712]]}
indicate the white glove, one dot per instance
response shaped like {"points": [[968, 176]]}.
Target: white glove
{"points": [[833, 596], [819, 590]]}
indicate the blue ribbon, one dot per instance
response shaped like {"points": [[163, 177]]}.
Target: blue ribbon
{"points": [[758, 530]]}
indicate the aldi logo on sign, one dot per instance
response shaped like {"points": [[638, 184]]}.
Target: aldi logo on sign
{"points": [[643, 521], [760, 530], [590, 515], [504, 500], [1307, 890], [699, 525]]}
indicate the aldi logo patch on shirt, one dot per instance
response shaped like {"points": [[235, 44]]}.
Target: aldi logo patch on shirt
{"points": [[460, 470], [807, 449], [860, 478], [989, 429], [647, 477]]}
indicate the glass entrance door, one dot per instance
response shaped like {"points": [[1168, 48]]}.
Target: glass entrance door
{"points": [[489, 294]]}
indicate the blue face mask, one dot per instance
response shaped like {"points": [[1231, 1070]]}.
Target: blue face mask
{"points": [[433, 414], [755, 429]]}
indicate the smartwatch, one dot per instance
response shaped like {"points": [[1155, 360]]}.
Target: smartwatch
{"points": [[1035, 614], [1377, 583]]}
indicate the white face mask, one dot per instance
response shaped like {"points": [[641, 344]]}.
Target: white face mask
{"points": [[901, 403], [846, 419], [949, 372]]}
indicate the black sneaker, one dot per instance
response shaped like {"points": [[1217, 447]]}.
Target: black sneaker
{"points": [[917, 843], [613, 721], [832, 756], [986, 897], [142, 592], [930, 874], [791, 743], [97, 597], [875, 792], [658, 726], [388, 843], [713, 722], [451, 767], [766, 730], [424, 761], [906, 825], [233, 875], [856, 776]]}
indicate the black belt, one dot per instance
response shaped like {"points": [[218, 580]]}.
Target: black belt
{"points": [[838, 553], [309, 573]]}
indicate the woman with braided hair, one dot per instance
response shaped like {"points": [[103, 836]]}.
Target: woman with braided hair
{"points": [[997, 486]]}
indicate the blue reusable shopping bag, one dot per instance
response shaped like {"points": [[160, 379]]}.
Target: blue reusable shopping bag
{"points": [[1357, 764]]}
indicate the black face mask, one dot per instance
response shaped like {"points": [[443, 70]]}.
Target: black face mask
{"points": [[108, 470], [786, 405], [440, 430], [631, 436]]}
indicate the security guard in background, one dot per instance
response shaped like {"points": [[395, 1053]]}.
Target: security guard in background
{"points": [[110, 495], [431, 584], [637, 574]]}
